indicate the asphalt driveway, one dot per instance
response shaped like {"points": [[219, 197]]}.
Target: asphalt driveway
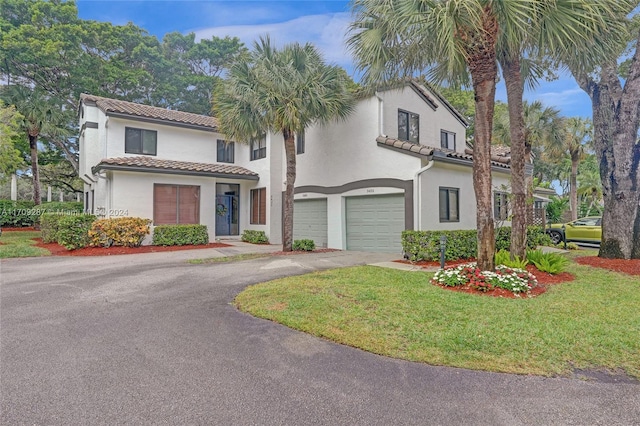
{"points": [[150, 339]]}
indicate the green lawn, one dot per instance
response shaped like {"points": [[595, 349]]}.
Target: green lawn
{"points": [[20, 244], [592, 322]]}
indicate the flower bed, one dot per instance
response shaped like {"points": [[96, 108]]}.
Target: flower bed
{"points": [[516, 281]]}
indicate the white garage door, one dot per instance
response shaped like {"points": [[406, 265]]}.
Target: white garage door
{"points": [[310, 221], [375, 223]]}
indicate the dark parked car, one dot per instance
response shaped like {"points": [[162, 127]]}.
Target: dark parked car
{"points": [[584, 230]]}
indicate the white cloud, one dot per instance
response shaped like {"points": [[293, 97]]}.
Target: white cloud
{"points": [[561, 98], [326, 31]]}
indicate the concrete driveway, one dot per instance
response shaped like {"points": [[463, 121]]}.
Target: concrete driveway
{"points": [[150, 339]]}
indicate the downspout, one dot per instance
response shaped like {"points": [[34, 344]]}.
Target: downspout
{"points": [[417, 198], [380, 114]]}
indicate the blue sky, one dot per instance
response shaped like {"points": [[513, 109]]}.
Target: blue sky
{"points": [[322, 23]]}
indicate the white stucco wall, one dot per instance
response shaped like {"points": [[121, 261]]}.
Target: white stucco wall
{"points": [[345, 152], [431, 121], [451, 176]]}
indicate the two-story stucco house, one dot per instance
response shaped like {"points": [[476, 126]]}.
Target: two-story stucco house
{"points": [[399, 162]]}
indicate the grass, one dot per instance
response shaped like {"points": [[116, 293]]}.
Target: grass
{"points": [[20, 244], [592, 322], [235, 258]]}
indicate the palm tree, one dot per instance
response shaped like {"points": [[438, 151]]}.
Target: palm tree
{"points": [[452, 41], [560, 28], [543, 126], [281, 90], [577, 135], [457, 39], [37, 116]]}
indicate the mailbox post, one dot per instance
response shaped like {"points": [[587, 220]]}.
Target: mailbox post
{"points": [[443, 247]]}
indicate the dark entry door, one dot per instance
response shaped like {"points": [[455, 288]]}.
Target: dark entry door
{"points": [[227, 212]]}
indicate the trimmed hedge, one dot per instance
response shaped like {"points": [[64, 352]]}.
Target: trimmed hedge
{"points": [[255, 237], [304, 245], [180, 235], [73, 230], [25, 213], [425, 245], [119, 231], [49, 226]]}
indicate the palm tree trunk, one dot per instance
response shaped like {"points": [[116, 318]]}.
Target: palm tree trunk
{"points": [[484, 71], [573, 185], [513, 82], [35, 171], [290, 155]]}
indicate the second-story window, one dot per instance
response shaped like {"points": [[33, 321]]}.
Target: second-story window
{"points": [[225, 151], [258, 149], [447, 140], [408, 126], [300, 142], [140, 141]]}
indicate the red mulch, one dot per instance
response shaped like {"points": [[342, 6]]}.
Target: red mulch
{"points": [[26, 228], [631, 267], [58, 250], [544, 279]]}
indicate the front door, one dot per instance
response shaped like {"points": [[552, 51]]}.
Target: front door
{"points": [[227, 211]]}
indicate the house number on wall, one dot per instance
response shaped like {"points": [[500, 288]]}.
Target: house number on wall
{"points": [[370, 190]]}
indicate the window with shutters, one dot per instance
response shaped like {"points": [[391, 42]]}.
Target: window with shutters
{"points": [[176, 204], [140, 141], [259, 206]]}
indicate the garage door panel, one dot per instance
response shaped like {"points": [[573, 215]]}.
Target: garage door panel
{"points": [[375, 223], [310, 221]]}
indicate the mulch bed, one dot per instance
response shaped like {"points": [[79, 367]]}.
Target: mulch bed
{"points": [[58, 250], [630, 267], [26, 228]]}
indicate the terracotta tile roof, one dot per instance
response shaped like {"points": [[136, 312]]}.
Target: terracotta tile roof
{"points": [[150, 112], [145, 163], [427, 151]]}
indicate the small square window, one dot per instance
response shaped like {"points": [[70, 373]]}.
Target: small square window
{"points": [[447, 140], [408, 126], [140, 141], [225, 151], [448, 200], [258, 149]]}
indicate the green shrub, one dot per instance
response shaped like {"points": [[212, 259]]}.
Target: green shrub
{"points": [[73, 230], [553, 263], [560, 245], [536, 236], [425, 245], [119, 231], [49, 226], [255, 237], [180, 235], [25, 213], [304, 245], [503, 257]]}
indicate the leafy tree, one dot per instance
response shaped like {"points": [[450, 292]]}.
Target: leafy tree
{"points": [[284, 91], [10, 158], [38, 115], [616, 121], [589, 186]]}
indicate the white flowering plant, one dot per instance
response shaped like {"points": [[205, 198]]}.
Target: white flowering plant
{"points": [[512, 279]]}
